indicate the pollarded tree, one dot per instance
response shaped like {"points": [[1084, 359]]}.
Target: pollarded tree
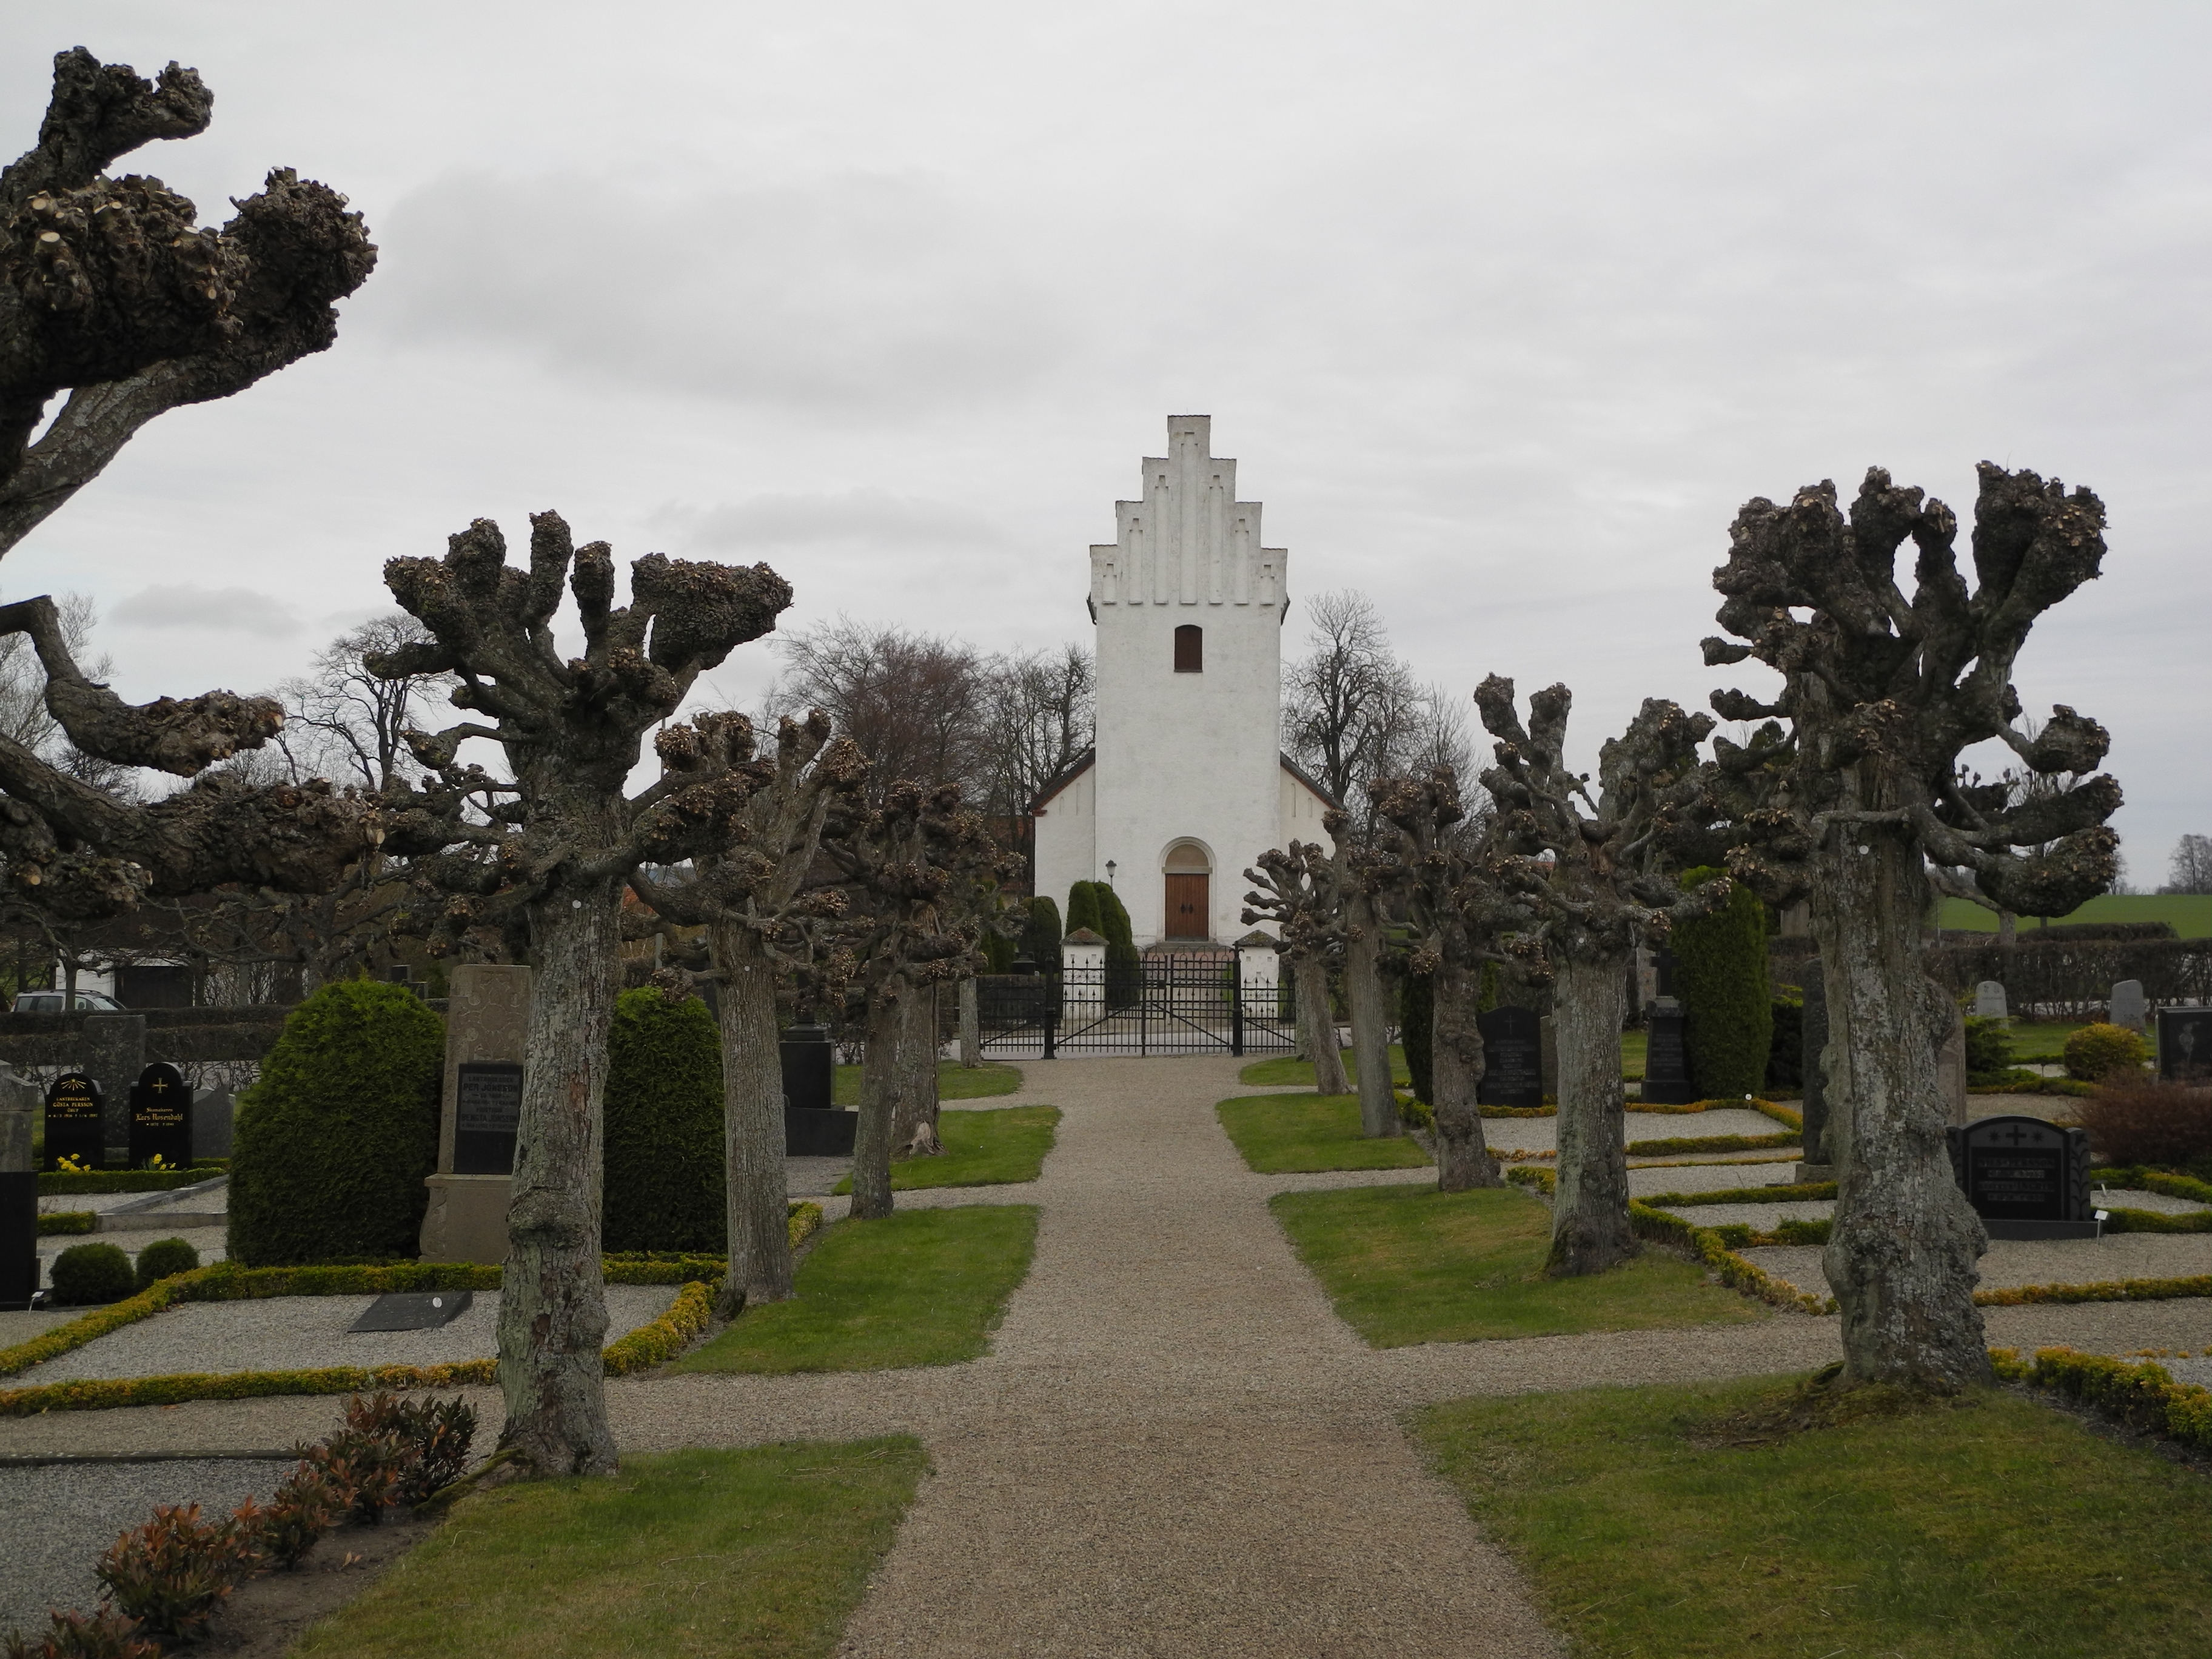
{"points": [[1297, 891], [115, 295], [757, 896], [1593, 868], [1850, 804], [1465, 916], [918, 868], [549, 854]]}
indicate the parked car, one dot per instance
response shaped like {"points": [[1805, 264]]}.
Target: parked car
{"points": [[50, 1002]]}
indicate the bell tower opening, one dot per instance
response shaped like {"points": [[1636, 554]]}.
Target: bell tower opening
{"points": [[1189, 907], [1190, 649]]}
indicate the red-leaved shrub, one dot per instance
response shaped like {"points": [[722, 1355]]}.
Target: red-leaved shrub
{"points": [[171, 1573], [300, 1512], [2143, 1121], [85, 1635]]}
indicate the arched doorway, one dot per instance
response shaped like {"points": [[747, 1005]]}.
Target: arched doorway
{"points": [[1190, 909]]}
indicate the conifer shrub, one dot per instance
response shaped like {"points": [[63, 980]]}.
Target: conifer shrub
{"points": [[1988, 1050], [91, 1275], [999, 953], [1124, 972], [1083, 909], [1417, 1005], [1040, 940], [664, 1159], [163, 1259], [2096, 1052], [333, 1142], [1720, 975]]}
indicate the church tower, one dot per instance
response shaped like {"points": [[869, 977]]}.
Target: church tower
{"points": [[1187, 784]]}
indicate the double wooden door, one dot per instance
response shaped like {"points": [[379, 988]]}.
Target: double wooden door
{"points": [[1189, 911]]}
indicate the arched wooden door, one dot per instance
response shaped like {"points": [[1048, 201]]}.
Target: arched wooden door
{"points": [[1188, 905]]}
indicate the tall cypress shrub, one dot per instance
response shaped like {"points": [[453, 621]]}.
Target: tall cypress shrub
{"points": [[1417, 1003], [1124, 974], [664, 1170], [334, 1141], [1040, 934], [1083, 909], [1720, 975]]}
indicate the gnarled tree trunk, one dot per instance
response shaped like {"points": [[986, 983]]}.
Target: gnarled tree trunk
{"points": [[1309, 980], [883, 1081], [1901, 1255], [1370, 1019], [752, 1126], [1589, 1211], [1456, 1064], [553, 1305], [917, 1061]]}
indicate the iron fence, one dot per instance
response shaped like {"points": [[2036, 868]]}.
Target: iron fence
{"points": [[1177, 1002]]}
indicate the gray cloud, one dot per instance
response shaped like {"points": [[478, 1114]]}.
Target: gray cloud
{"points": [[179, 605], [860, 517]]}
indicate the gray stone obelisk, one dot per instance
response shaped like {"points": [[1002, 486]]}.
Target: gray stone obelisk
{"points": [[487, 1024]]}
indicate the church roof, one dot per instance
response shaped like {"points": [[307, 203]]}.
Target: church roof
{"points": [[1082, 763]]}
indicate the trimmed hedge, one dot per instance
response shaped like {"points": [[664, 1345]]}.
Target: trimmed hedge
{"points": [[164, 1258], [664, 1159], [2095, 1052], [660, 1340], [1720, 975], [2167, 1181], [1417, 1017], [1797, 1193], [1711, 1144], [2145, 1395], [64, 1222], [1083, 909], [334, 1141], [2111, 1289]]}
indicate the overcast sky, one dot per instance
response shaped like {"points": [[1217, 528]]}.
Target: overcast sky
{"points": [[1504, 311]]}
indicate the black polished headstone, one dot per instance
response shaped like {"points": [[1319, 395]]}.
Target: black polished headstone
{"points": [[809, 1133], [75, 1124], [2026, 1178], [161, 1118], [2184, 1044], [19, 1239], [1666, 1057], [487, 1116], [413, 1310], [808, 1066], [1512, 1058]]}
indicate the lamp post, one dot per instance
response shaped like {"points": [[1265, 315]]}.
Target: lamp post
{"points": [[1110, 872]]}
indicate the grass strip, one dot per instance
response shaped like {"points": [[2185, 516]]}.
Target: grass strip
{"points": [[921, 1287], [64, 1222], [1289, 1072], [1406, 1264], [997, 1148], [1659, 1520], [763, 1552], [1282, 1134], [954, 1081]]}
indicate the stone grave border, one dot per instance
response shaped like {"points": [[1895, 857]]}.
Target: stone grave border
{"points": [[652, 1343]]}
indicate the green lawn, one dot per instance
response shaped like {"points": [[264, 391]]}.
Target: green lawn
{"points": [[2191, 913], [1989, 1530], [1409, 1264], [1288, 1071], [765, 1552], [1281, 1133], [921, 1287], [2041, 1044], [954, 1082], [982, 1149]]}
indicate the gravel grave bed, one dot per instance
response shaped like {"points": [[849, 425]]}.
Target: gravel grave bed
{"points": [[1644, 1181], [55, 1522], [1762, 1217], [1533, 1134], [2132, 1198], [2014, 1261], [293, 1333]]}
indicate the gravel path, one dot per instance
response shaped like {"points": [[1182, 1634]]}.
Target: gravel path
{"points": [[56, 1522], [2012, 1261], [287, 1333]]}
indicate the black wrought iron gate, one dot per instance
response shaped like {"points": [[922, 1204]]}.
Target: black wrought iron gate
{"points": [[1169, 1002]]}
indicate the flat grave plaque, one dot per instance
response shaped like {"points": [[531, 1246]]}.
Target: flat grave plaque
{"points": [[2026, 1178], [486, 1114], [413, 1311], [1667, 1058], [1512, 1058], [74, 1128], [161, 1117], [2184, 1044]]}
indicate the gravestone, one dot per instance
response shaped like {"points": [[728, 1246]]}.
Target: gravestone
{"points": [[487, 1029], [1550, 1046], [75, 1122], [1667, 1055], [1820, 1162], [161, 1118], [2184, 1045], [486, 1116], [812, 1128], [1989, 1000], [1951, 1069], [1512, 1059], [19, 1205], [1645, 990], [413, 1310], [2127, 1006], [114, 1055], [2026, 1178], [214, 1115]]}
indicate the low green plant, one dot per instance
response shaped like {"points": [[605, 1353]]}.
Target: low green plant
{"points": [[2100, 1051], [89, 1275], [163, 1259], [1988, 1050]]}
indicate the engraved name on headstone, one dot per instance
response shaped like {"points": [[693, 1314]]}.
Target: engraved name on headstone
{"points": [[2025, 1177], [1512, 1058], [75, 1122], [486, 1113], [161, 1118]]}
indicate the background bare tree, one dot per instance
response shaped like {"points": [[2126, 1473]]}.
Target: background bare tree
{"points": [[1349, 705], [343, 722], [1039, 712], [2190, 870], [115, 295], [914, 702]]}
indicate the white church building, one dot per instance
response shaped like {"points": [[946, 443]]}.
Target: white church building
{"points": [[1186, 784]]}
